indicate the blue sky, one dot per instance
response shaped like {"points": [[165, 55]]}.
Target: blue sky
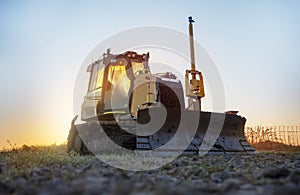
{"points": [[255, 44]]}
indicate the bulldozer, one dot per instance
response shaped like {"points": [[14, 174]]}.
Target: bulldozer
{"points": [[142, 111]]}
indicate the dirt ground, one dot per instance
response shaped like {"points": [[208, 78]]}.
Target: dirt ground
{"points": [[49, 170]]}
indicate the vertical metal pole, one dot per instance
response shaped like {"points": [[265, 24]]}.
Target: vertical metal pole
{"points": [[192, 53], [192, 44]]}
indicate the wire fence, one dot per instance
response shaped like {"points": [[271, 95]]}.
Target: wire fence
{"points": [[277, 138]]}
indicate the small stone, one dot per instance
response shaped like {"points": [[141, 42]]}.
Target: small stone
{"points": [[247, 186], [139, 185], [275, 172], [200, 172], [219, 177], [197, 182], [166, 178], [231, 184], [297, 163], [40, 171], [257, 174]]}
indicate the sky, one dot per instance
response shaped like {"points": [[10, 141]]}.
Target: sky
{"points": [[255, 45]]}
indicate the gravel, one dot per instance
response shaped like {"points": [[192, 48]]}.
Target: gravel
{"points": [[268, 173]]}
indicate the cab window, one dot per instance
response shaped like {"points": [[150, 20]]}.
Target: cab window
{"points": [[100, 78], [93, 77], [137, 66]]}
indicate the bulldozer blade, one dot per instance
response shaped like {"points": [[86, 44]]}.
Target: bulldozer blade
{"points": [[192, 131], [160, 131]]}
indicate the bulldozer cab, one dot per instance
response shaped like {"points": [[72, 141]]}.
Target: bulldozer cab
{"points": [[110, 84]]}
